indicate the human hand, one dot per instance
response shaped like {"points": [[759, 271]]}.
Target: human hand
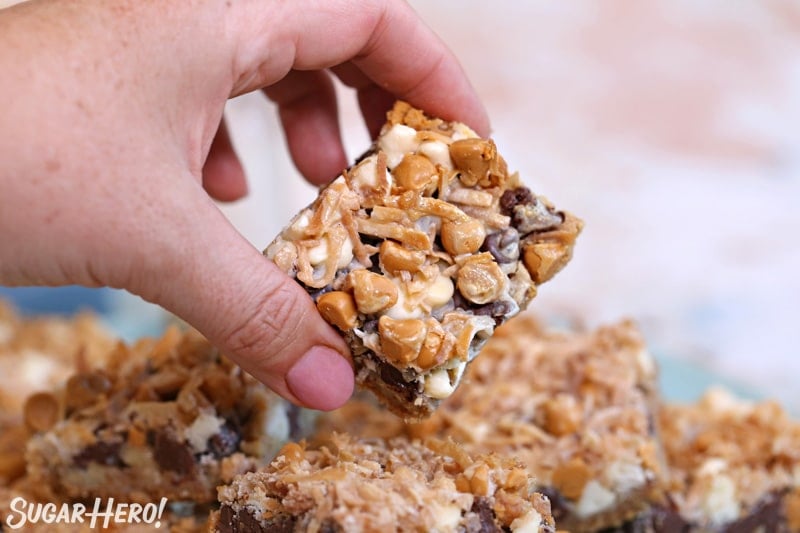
{"points": [[115, 109]]}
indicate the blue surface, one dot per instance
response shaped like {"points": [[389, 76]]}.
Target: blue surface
{"points": [[682, 381], [57, 300]]}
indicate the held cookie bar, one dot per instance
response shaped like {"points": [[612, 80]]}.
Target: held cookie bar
{"points": [[578, 409], [167, 418], [734, 466], [371, 485], [418, 251]]}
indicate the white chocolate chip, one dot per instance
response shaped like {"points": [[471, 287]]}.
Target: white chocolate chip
{"points": [[318, 254], [345, 254], [462, 131], [442, 383], [365, 174], [446, 517], [439, 292], [595, 498], [297, 229], [403, 309], [437, 384], [398, 141], [202, 429], [276, 422], [625, 476], [720, 503], [530, 522], [438, 152]]}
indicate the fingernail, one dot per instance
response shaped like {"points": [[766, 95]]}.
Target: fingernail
{"points": [[321, 379]]}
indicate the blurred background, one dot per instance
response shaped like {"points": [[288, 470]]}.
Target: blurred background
{"points": [[671, 128]]}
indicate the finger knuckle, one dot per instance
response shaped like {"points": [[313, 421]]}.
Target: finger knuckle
{"points": [[270, 324]]}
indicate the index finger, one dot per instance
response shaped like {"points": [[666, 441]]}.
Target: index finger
{"points": [[386, 39]]}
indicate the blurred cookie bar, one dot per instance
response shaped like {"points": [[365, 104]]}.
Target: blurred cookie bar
{"points": [[36, 354], [577, 409], [379, 486], [168, 417], [734, 466], [417, 253]]}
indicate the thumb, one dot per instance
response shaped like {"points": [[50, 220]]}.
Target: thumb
{"points": [[253, 312]]}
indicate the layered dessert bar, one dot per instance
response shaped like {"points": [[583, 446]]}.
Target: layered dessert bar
{"points": [[371, 485], [578, 409], [168, 417], [734, 466], [418, 251]]}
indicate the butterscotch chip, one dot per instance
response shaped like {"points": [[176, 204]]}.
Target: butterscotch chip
{"points": [[562, 415], [429, 225], [83, 389], [41, 411], [338, 308], [571, 477]]}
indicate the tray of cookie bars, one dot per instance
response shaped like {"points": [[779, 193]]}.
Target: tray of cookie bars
{"points": [[469, 418]]}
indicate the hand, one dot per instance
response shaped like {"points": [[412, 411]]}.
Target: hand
{"points": [[112, 145]]}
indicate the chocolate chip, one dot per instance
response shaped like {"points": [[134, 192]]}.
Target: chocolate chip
{"points": [[765, 516], [503, 245], [370, 326], [329, 526], [225, 442], [535, 217], [495, 309], [316, 293], [103, 453], [483, 508], [394, 379], [664, 519], [170, 454], [231, 521], [514, 197], [225, 523]]}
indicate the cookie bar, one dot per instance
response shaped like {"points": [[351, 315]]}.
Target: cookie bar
{"points": [[167, 418], [418, 251], [578, 409], [734, 466], [35, 355], [378, 486]]}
